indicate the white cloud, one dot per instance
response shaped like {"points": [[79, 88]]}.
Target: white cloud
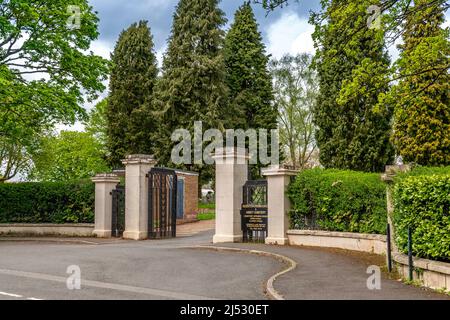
{"points": [[78, 126], [160, 55], [102, 49], [290, 34], [447, 21]]}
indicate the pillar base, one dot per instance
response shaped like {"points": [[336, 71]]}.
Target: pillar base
{"points": [[277, 241], [135, 235], [102, 233], [218, 238]]}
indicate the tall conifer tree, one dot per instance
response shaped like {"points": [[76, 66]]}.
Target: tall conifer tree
{"points": [[353, 69], [129, 110], [422, 99], [192, 87], [248, 78]]}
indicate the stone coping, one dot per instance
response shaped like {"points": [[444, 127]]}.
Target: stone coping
{"points": [[279, 171], [425, 264], [335, 234], [186, 173], [106, 177], [49, 225], [139, 159], [431, 265]]}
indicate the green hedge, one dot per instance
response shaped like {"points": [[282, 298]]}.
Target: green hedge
{"points": [[47, 202], [421, 202], [336, 200]]}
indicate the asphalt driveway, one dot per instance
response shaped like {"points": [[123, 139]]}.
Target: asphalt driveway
{"points": [[170, 269]]}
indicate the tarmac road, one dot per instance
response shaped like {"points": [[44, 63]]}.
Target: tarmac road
{"points": [[169, 269]]}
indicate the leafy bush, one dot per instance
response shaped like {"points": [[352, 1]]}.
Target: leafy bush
{"points": [[421, 202], [47, 202], [336, 200]]}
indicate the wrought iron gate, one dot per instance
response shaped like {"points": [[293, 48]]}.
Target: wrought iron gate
{"points": [[254, 212], [162, 204], [118, 211]]}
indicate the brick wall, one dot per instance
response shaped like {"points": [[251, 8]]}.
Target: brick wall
{"points": [[190, 194]]}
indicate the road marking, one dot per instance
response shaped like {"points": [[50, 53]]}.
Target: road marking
{"points": [[274, 294], [10, 295], [34, 299], [105, 285]]}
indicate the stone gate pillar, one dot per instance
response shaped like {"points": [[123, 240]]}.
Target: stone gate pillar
{"points": [[136, 195], [231, 175], [105, 183], [278, 203]]}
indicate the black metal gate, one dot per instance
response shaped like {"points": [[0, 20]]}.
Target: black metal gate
{"points": [[118, 211], [254, 214], [162, 204]]}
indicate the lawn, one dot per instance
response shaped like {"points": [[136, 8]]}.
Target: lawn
{"points": [[206, 216]]}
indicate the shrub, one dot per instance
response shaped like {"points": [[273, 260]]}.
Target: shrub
{"points": [[421, 202], [47, 202], [336, 200]]}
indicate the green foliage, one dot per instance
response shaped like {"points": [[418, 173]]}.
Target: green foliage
{"points": [[206, 205], [97, 124], [422, 97], [129, 108], [353, 69], [206, 216], [45, 73], [422, 202], [192, 87], [335, 200], [422, 171], [247, 76], [69, 156], [53, 49], [295, 84], [47, 202]]}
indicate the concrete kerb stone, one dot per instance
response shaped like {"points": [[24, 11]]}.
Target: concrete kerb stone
{"points": [[269, 285]]}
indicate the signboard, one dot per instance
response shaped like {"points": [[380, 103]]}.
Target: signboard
{"points": [[254, 219]]}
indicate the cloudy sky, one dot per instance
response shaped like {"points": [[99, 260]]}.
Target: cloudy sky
{"points": [[284, 31]]}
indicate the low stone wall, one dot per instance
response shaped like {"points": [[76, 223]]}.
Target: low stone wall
{"points": [[371, 243], [28, 229], [431, 274]]}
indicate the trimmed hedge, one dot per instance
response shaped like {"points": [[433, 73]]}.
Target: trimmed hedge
{"points": [[421, 202], [47, 202], [336, 200]]}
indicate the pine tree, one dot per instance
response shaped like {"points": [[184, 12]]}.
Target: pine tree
{"points": [[248, 78], [353, 68], [192, 87], [130, 120], [422, 111]]}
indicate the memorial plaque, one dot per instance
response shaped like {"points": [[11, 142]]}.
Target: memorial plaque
{"points": [[254, 219]]}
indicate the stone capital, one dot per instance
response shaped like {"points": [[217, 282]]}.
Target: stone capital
{"points": [[106, 178], [231, 152], [392, 171], [279, 171], [136, 159]]}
